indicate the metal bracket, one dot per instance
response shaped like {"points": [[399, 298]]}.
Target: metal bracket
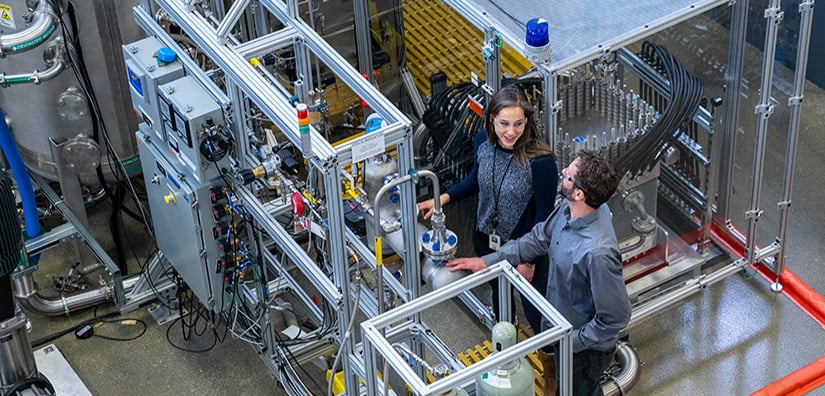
{"points": [[806, 6], [488, 89], [795, 100], [754, 213], [607, 54], [556, 107], [784, 204], [771, 13], [765, 109], [488, 52]]}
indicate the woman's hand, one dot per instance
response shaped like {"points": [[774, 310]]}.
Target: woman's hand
{"points": [[526, 270], [427, 207], [473, 264]]}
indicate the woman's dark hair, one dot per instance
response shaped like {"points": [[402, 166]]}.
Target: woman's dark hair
{"points": [[530, 144], [596, 178]]}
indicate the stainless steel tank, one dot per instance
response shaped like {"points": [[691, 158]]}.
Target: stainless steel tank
{"points": [[377, 171], [58, 108]]}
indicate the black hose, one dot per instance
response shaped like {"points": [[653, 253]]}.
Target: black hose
{"points": [[683, 98]]}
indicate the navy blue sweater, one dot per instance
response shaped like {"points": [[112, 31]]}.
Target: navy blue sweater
{"points": [[517, 196]]}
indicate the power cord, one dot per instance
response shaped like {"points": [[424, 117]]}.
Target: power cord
{"points": [[88, 330], [85, 329]]}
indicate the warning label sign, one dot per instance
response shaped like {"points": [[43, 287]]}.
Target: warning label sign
{"points": [[7, 16]]}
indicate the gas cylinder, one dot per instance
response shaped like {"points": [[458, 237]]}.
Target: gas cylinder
{"points": [[510, 378]]}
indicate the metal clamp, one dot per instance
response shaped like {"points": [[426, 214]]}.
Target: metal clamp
{"points": [[765, 109], [754, 213], [774, 13], [806, 6]]}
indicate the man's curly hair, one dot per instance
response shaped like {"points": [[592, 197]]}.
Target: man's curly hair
{"points": [[596, 178]]}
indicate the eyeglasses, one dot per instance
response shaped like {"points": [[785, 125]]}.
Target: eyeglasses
{"points": [[505, 124], [566, 175], [574, 182]]}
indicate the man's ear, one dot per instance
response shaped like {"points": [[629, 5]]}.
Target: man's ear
{"points": [[579, 194]]}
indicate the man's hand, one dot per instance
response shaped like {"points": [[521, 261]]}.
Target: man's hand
{"points": [[526, 270], [473, 264]]}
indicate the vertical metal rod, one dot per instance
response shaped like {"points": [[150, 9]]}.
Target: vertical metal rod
{"points": [[303, 68], [371, 360], [412, 267], [551, 106], [806, 9], [493, 63], [711, 182], [764, 110], [362, 37], [340, 264], [261, 21], [733, 82]]}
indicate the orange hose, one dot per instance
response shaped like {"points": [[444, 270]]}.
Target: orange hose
{"points": [[799, 382], [811, 376]]}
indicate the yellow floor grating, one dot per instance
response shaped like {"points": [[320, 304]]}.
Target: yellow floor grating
{"points": [[479, 352], [439, 39]]}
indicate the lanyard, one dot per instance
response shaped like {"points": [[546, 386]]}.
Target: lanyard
{"points": [[498, 192]]}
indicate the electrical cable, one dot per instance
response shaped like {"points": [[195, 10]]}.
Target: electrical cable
{"points": [[685, 95], [347, 334], [124, 322], [453, 126], [196, 312], [51, 337], [99, 127]]}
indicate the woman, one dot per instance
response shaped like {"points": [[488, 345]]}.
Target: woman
{"points": [[515, 176]]}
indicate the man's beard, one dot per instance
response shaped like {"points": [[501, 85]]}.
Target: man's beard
{"points": [[566, 192]]}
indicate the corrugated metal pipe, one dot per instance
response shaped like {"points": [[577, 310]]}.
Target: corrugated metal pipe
{"points": [[628, 375]]}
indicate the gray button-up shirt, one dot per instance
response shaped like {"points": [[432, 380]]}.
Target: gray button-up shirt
{"points": [[585, 283]]}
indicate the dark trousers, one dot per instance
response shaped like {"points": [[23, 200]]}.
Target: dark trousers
{"points": [[588, 366], [481, 245]]}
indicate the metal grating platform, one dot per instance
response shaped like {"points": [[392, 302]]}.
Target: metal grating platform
{"points": [[438, 39], [581, 30], [479, 352]]}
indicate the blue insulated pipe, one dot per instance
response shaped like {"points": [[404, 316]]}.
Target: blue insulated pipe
{"points": [[21, 175]]}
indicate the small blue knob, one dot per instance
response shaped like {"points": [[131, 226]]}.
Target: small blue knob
{"points": [[167, 55], [436, 246], [394, 198], [451, 239], [425, 237]]}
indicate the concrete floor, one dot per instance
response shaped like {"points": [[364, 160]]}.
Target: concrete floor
{"points": [[731, 339]]}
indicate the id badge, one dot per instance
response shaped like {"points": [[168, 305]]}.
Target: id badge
{"points": [[495, 242]]}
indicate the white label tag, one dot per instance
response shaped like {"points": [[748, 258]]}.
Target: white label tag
{"points": [[291, 332], [7, 17], [368, 146], [304, 224]]}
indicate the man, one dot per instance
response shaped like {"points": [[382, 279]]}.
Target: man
{"points": [[585, 282]]}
